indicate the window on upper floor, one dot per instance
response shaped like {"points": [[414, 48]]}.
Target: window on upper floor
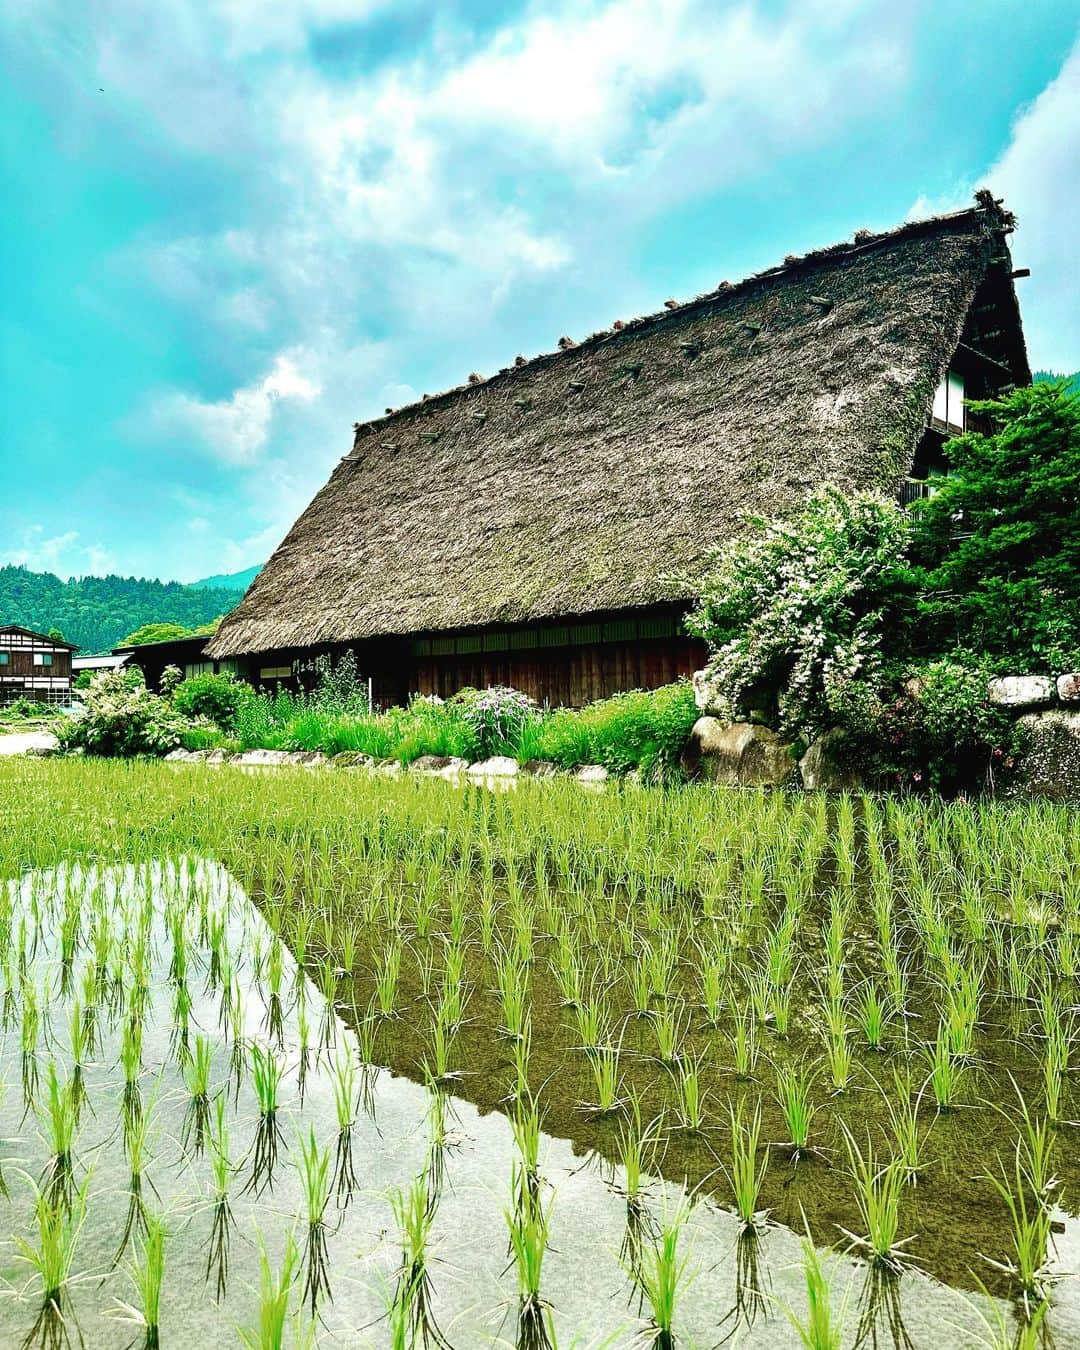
{"points": [[948, 412], [43, 658], [5, 658]]}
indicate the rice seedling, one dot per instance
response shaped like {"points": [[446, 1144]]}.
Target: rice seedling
{"points": [[1030, 1230], [529, 1226], [61, 1123], [670, 1027], [275, 1288], [197, 1114], [443, 1036], [872, 1013], [745, 1172], [52, 1260], [222, 1223], [690, 1097], [961, 1012], [907, 1137], [743, 1042], [636, 1142], [662, 1279], [386, 979], [945, 1074], [30, 1029], [345, 1107], [266, 1075], [1000, 1334], [823, 1326], [147, 1274], [526, 1127], [838, 1052], [131, 1057], [137, 1139], [793, 1086], [313, 1166], [414, 1212], [879, 1189]]}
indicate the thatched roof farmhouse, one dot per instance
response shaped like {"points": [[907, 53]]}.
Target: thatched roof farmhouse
{"points": [[520, 528]]}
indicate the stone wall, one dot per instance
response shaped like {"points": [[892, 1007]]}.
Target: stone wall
{"points": [[750, 754]]}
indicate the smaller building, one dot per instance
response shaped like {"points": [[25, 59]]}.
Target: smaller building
{"points": [[94, 665], [34, 665], [186, 653]]}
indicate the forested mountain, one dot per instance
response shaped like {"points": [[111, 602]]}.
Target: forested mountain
{"points": [[1073, 379], [230, 581], [96, 612]]}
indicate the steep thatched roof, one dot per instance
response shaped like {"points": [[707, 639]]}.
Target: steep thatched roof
{"points": [[574, 482]]}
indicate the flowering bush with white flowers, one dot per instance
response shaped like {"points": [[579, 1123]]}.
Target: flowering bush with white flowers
{"points": [[122, 717], [798, 608]]}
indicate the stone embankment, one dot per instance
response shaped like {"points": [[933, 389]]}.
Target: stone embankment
{"points": [[751, 754], [499, 768]]}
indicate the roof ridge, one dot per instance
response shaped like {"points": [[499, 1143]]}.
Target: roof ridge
{"points": [[999, 221]]}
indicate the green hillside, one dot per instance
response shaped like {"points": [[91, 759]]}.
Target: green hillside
{"points": [[229, 581], [96, 612]]}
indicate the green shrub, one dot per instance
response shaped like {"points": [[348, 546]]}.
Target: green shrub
{"points": [[215, 697], [24, 710], [934, 728], [798, 606], [200, 736], [644, 730], [122, 717]]}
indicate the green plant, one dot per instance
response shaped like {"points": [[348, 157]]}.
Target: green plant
{"points": [[878, 1192], [797, 606], [745, 1173], [52, 1261], [1009, 585], [122, 717], [214, 697], [495, 716], [274, 1290]]}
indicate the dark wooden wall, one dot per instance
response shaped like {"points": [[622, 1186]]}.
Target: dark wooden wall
{"points": [[566, 676], [559, 665]]}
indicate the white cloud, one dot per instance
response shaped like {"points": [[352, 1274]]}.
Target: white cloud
{"points": [[60, 553], [234, 429], [1039, 176]]}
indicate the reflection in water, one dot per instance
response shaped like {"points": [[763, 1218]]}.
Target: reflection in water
{"points": [[185, 1083]]}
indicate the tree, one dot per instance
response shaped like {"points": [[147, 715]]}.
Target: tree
{"points": [[56, 635], [155, 632], [997, 550]]}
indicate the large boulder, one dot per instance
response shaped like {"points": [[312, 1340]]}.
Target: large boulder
{"points": [[738, 754], [1021, 691], [498, 766], [1068, 688], [540, 768], [825, 768], [592, 775], [1049, 764]]}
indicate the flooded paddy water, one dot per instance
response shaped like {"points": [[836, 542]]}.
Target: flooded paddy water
{"points": [[396, 1063]]}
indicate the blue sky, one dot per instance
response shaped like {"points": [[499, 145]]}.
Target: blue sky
{"points": [[234, 227]]}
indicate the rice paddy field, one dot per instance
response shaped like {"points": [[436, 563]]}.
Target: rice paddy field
{"points": [[318, 1058]]}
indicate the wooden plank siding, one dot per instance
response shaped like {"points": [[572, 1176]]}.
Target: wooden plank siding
{"points": [[36, 666], [567, 676], [557, 664]]}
